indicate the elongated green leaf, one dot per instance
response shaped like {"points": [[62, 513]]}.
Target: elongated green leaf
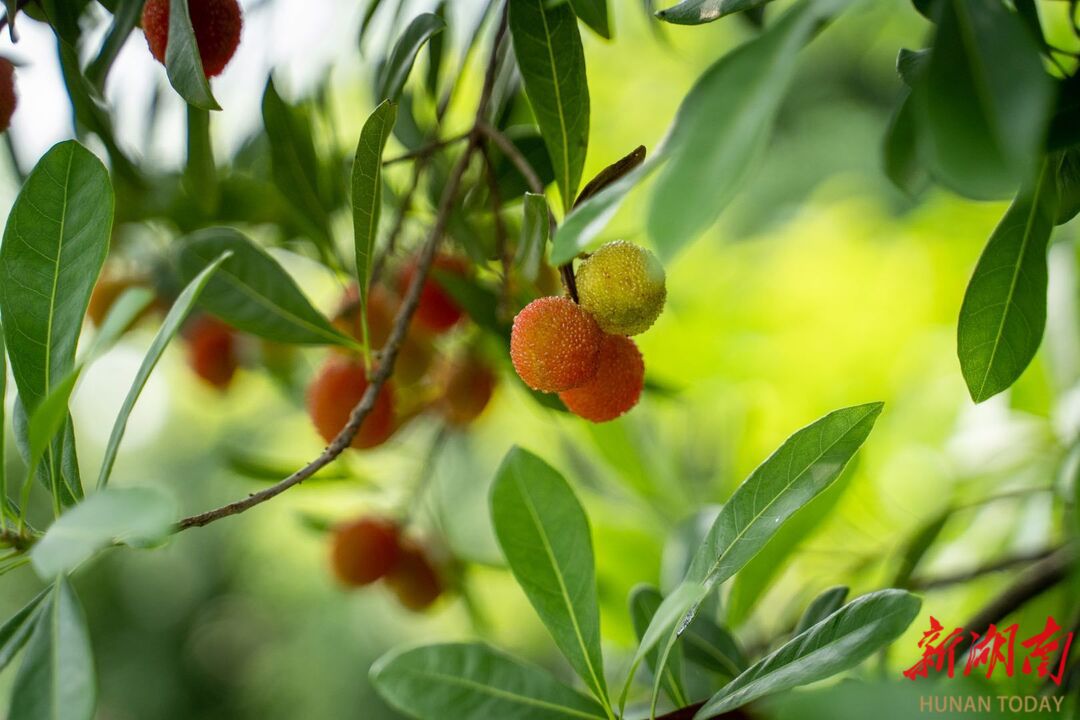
{"points": [[1068, 180], [252, 292], [400, 63], [837, 643], [1004, 310], [544, 534], [367, 189], [16, 631], [901, 151], [712, 647], [696, 12], [179, 311], [822, 607], [125, 18], [3, 421], [55, 243], [531, 146], [475, 682], [723, 126], [365, 22], [804, 466], [183, 64], [535, 227], [644, 600], [983, 101], [549, 53], [593, 13], [134, 516], [11, 9], [910, 64], [56, 678], [918, 545], [436, 53]]}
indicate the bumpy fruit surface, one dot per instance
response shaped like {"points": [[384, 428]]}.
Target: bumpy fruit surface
{"points": [[217, 25], [8, 100], [622, 285], [554, 344], [416, 352], [467, 385], [212, 350], [364, 551], [335, 391], [414, 580], [437, 311], [617, 385]]}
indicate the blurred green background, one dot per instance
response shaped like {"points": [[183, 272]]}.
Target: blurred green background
{"points": [[821, 287]]}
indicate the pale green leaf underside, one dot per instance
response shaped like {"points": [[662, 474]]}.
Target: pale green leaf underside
{"points": [[183, 64]]}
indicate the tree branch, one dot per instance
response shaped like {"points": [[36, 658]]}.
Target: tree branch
{"points": [[389, 354], [999, 565]]}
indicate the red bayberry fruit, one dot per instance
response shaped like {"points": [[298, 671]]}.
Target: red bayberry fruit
{"points": [[364, 551], [217, 25], [416, 353], [467, 384], [212, 351], [554, 344], [8, 100], [620, 377], [335, 391], [437, 311], [414, 580]]}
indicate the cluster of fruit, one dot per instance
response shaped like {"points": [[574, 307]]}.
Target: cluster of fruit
{"points": [[582, 350], [367, 550]]}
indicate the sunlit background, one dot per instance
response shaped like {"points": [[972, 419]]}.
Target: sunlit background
{"points": [[821, 287]]}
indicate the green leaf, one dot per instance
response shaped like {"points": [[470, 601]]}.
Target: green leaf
{"points": [[901, 151], [644, 600], [56, 680], [139, 517], [722, 128], [400, 63], [55, 243], [983, 101], [535, 227], [183, 64], [910, 64], [552, 63], [544, 534], [252, 292], [1004, 310], [475, 682], [3, 421], [837, 643], [1068, 182], [295, 163], [16, 631], [125, 18], [11, 9], [822, 607], [365, 22], [696, 12], [593, 13], [436, 51], [712, 647], [531, 146], [803, 467], [367, 189], [179, 311], [918, 545], [54, 246]]}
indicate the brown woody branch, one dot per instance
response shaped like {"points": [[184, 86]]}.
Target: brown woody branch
{"points": [[1000, 565], [389, 354]]}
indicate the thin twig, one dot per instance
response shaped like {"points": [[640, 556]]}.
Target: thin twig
{"points": [[502, 249], [397, 334], [392, 238], [426, 151], [506, 145], [999, 565]]}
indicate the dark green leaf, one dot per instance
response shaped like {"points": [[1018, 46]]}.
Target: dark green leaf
{"points": [[125, 18], [712, 647], [544, 534], [11, 9], [822, 607], [837, 643], [531, 146], [183, 64], [3, 420], [804, 466], [137, 516], [63, 15], [910, 64], [901, 151], [475, 682], [179, 311], [436, 51], [367, 189], [401, 60], [535, 227], [593, 13], [1068, 182], [917, 546], [696, 12], [644, 600], [369, 13], [1004, 309], [56, 680], [552, 63], [723, 126], [16, 631], [983, 101], [252, 292]]}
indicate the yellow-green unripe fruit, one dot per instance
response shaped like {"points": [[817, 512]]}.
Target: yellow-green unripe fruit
{"points": [[622, 287]]}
